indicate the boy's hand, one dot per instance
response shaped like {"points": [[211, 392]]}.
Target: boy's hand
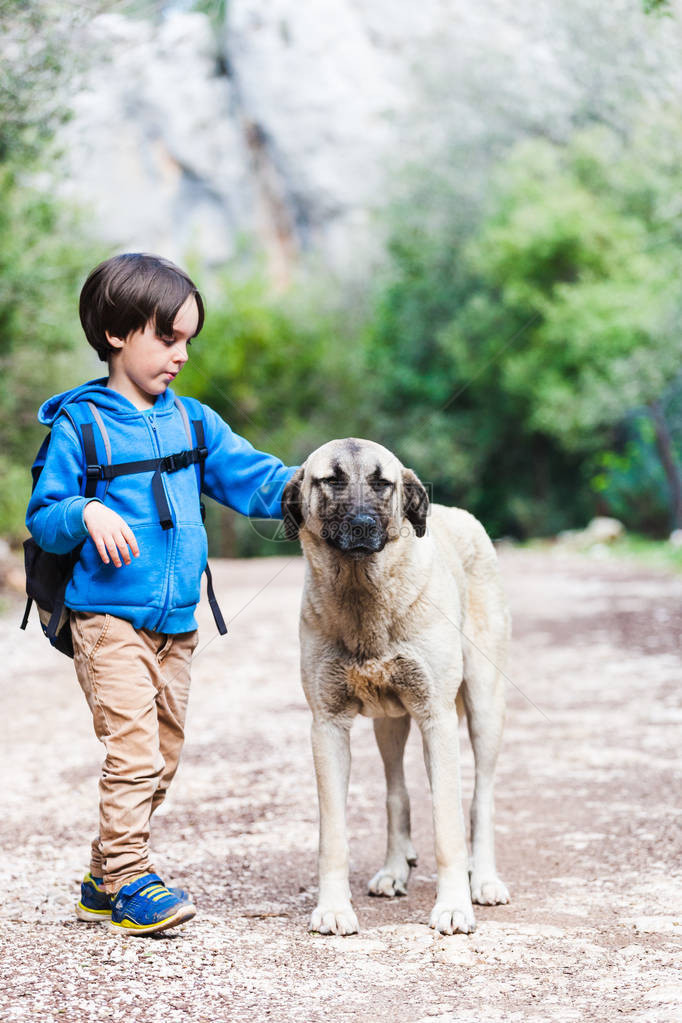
{"points": [[110, 533]]}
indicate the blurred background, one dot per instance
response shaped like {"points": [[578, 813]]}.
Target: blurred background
{"points": [[453, 228]]}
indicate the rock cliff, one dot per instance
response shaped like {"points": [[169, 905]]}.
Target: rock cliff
{"points": [[295, 122]]}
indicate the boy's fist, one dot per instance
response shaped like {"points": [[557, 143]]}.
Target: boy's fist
{"points": [[111, 535]]}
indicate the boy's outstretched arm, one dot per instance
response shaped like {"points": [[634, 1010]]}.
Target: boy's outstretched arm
{"points": [[238, 475]]}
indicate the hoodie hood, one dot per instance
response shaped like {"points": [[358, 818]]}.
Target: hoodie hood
{"points": [[102, 396]]}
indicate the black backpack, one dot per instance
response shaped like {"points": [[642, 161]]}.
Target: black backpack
{"points": [[47, 575]]}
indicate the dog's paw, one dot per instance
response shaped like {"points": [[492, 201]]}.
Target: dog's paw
{"points": [[389, 882], [452, 919], [334, 921], [488, 891]]}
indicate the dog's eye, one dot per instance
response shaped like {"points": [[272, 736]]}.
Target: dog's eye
{"points": [[333, 481], [381, 484]]}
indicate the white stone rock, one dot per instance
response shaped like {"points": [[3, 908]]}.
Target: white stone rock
{"points": [[298, 121], [602, 530], [153, 146]]}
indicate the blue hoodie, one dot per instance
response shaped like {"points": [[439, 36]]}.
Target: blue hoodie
{"points": [[160, 589]]}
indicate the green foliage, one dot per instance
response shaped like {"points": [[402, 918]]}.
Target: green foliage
{"points": [[630, 483], [655, 554], [42, 252], [14, 494], [508, 353], [568, 245], [648, 553], [41, 344], [39, 53], [280, 371], [27, 61], [276, 367]]}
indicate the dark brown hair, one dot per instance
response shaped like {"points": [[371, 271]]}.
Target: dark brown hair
{"points": [[127, 292]]}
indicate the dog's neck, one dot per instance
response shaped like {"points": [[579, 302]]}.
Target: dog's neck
{"points": [[373, 598]]}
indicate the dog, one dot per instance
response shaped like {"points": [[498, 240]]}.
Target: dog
{"points": [[403, 616]]}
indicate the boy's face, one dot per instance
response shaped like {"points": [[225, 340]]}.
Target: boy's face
{"points": [[144, 364]]}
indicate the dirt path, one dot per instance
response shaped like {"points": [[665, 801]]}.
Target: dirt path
{"points": [[588, 828]]}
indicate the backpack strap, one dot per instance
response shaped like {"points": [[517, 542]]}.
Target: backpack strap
{"points": [[55, 622], [90, 451], [95, 472], [201, 444], [27, 611], [213, 602], [180, 406], [87, 431], [165, 463], [198, 427], [102, 428]]}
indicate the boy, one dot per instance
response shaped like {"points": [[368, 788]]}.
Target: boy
{"points": [[136, 583]]}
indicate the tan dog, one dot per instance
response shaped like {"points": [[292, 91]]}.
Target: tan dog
{"points": [[403, 617]]}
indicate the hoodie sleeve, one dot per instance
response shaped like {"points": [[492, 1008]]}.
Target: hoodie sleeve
{"points": [[239, 476], [55, 511]]}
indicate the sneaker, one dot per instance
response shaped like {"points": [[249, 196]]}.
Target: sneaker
{"points": [[145, 906], [95, 903]]}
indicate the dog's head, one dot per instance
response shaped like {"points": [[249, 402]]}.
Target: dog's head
{"points": [[355, 496]]}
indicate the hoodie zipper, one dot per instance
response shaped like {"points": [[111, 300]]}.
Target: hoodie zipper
{"points": [[170, 541]]}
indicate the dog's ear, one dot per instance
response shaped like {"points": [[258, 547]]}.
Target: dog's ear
{"points": [[292, 512], [415, 501]]}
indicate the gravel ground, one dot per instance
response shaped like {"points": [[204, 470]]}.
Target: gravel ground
{"points": [[588, 821]]}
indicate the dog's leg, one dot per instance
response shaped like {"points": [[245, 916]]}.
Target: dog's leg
{"points": [[483, 693], [331, 754], [391, 735], [453, 911]]}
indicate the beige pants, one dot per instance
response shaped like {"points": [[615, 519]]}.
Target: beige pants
{"points": [[136, 683]]}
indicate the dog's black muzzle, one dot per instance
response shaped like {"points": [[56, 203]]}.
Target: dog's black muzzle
{"points": [[357, 535]]}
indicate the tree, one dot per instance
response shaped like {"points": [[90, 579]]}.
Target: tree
{"points": [[43, 254], [509, 353], [580, 256]]}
